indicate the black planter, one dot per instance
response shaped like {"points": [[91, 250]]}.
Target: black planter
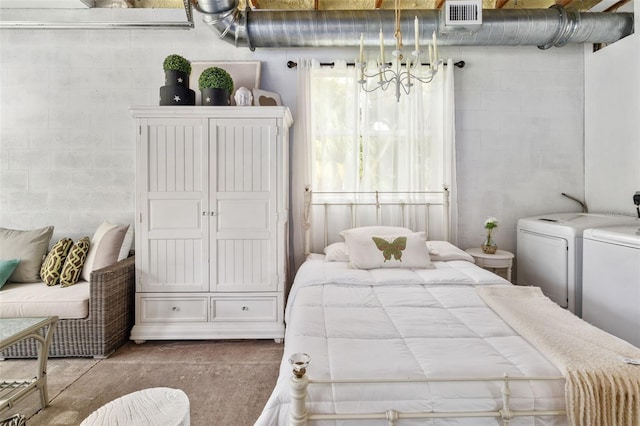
{"points": [[177, 95], [215, 97], [176, 78], [176, 91]]}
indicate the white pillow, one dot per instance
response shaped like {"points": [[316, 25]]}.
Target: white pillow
{"points": [[126, 244], [445, 251], [377, 230], [105, 248], [387, 251], [336, 252]]}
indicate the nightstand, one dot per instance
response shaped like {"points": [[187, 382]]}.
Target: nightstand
{"points": [[500, 259]]}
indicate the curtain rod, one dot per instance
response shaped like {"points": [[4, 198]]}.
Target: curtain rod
{"points": [[292, 64]]}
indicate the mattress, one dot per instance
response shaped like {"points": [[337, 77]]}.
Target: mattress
{"points": [[407, 323]]}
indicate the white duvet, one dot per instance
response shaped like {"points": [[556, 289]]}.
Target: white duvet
{"points": [[400, 323]]}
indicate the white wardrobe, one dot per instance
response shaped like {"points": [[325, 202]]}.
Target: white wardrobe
{"points": [[211, 222]]}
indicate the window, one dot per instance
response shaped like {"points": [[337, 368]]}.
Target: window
{"points": [[368, 141]]}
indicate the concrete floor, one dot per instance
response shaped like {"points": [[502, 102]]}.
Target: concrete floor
{"points": [[227, 382]]}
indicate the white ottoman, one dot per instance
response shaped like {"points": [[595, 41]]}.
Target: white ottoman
{"points": [[152, 407]]}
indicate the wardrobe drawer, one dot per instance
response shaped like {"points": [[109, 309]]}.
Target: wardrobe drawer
{"points": [[174, 309], [244, 309]]}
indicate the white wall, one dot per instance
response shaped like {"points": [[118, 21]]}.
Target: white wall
{"points": [[612, 125], [67, 142]]}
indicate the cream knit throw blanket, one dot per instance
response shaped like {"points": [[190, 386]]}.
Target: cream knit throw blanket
{"points": [[601, 388]]}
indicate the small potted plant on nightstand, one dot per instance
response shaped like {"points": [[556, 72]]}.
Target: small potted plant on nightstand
{"points": [[216, 86], [176, 79]]}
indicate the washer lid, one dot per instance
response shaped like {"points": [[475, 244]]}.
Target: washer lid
{"points": [[628, 235], [571, 224]]}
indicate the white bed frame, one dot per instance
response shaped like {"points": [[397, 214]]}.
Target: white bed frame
{"points": [[299, 382], [407, 203], [418, 210]]}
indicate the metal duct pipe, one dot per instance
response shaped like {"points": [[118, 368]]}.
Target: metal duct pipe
{"points": [[342, 28]]}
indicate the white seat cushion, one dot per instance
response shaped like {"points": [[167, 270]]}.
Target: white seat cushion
{"points": [[40, 300]]}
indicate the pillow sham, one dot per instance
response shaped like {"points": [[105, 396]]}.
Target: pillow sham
{"points": [[30, 247], [387, 251], [376, 230], [445, 251], [336, 252], [6, 269], [72, 268], [53, 263], [442, 251], [106, 245]]}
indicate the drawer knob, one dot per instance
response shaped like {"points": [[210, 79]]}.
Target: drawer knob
{"points": [[245, 308], [175, 309]]}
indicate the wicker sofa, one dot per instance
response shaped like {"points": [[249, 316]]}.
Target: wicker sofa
{"points": [[111, 313]]}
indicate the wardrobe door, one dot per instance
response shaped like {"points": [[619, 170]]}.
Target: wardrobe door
{"points": [[173, 205], [243, 189]]}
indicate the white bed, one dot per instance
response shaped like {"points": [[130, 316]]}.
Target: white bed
{"points": [[396, 346], [404, 323]]}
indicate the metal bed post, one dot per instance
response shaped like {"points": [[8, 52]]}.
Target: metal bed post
{"points": [[307, 220], [298, 384], [445, 213]]}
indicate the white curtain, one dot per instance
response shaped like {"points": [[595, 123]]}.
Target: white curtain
{"points": [[358, 141], [301, 159]]}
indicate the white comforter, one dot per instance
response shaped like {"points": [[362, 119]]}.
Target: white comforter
{"points": [[388, 323]]}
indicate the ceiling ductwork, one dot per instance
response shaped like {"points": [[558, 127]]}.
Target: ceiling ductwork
{"points": [[544, 28]]}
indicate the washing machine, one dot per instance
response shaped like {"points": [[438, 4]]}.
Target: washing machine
{"points": [[549, 253], [611, 280]]}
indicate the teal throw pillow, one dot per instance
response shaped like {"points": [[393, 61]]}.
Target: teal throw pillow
{"points": [[6, 269]]}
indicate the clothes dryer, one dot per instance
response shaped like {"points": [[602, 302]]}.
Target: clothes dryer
{"points": [[611, 280], [549, 253]]}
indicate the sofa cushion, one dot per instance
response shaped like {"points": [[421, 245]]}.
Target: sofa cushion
{"points": [[74, 262], [105, 247], [6, 269], [28, 246], [39, 300], [126, 244], [53, 263]]}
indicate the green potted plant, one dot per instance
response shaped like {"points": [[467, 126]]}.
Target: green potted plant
{"points": [[177, 63], [176, 79], [216, 86]]}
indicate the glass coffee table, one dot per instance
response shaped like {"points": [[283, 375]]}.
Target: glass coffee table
{"points": [[13, 330]]}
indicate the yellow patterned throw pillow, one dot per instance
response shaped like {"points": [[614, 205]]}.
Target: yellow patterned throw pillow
{"points": [[75, 261], [53, 263]]}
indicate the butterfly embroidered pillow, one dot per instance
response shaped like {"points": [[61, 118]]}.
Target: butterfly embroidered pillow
{"points": [[371, 251]]}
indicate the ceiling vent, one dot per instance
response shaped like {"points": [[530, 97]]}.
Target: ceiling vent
{"points": [[463, 13]]}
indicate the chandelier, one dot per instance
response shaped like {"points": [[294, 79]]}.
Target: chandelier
{"points": [[393, 75]]}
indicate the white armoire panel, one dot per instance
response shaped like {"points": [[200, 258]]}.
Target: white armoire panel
{"points": [[172, 194], [212, 206], [246, 250]]}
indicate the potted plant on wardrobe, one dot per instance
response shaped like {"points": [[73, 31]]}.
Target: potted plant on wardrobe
{"points": [[176, 79], [216, 86]]}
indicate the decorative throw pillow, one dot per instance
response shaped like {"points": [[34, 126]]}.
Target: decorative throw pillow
{"points": [[126, 244], [28, 246], [6, 269], [105, 247], [388, 251], [72, 268], [53, 263]]}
